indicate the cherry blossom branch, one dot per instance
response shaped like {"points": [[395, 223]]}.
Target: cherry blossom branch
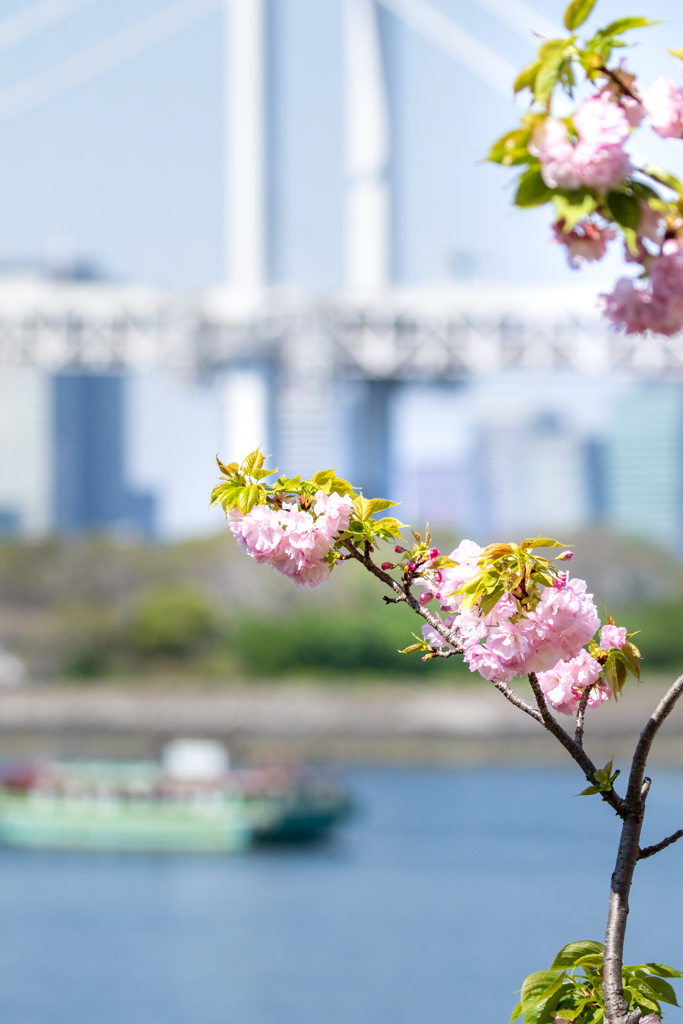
{"points": [[628, 855], [518, 701], [581, 714], [615, 77], [572, 747], [650, 851], [403, 593]]}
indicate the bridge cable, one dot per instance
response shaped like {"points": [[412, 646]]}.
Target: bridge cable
{"points": [[456, 42], [27, 24], [97, 60], [523, 19]]}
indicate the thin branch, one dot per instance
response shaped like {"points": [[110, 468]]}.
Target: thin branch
{"points": [[647, 736], [650, 851], [518, 701], [403, 594], [574, 749], [581, 714], [614, 77]]}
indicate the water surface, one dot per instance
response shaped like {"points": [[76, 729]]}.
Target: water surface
{"points": [[429, 908]]}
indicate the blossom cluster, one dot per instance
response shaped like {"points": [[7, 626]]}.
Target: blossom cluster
{"points": [[581, 164], [292, 540], [598, 159], [549, 639]]}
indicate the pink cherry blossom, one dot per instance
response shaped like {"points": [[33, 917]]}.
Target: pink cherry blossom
{"points": [[601, 122], [550, 143], [601, 167], [663, 104], [586, 241], [651, 224], [560, 581], [563, 685], [598, 159], [657, 307], [292, 540], [612, 636]]}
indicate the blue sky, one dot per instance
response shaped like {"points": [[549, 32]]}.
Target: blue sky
{"points": [[129, 169]]}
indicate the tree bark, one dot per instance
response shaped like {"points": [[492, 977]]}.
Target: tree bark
{"points": [[616, 1007]]}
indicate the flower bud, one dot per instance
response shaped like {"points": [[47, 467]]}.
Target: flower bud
{"points": [[426, 597], [399, 550], [438, 577], [387, 565], [411, 567], [565, 556], [561, 581], [434, 552]]}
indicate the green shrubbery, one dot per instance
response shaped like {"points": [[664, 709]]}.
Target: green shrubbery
{"points": [[177, 622], [98, 608], [331, 641]]}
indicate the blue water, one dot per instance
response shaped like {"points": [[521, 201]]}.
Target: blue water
{"points": [[430, 908]]}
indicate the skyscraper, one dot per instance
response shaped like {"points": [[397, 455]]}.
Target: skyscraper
{"points": [[644, 465], [90, 489]]}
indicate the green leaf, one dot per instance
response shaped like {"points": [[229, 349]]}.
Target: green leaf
{"points": [[662, 176], [253, 461], [443, 562], [232, 469], [365, 507], [517, 1012], [552, 57], [664, 971], [573, 952], [662, 990], [643, 191], [541, 542], [532, 190], [625, 209], [615, 28], [250, 496], [527, 76], [629, 652], [616, 670], [539, 985], [292, 483], [677, 53], [572, 207], [589, 791], [511, 148], [643, 993], [578, 12], [392, 526], [323, 476], [544, 1012]]}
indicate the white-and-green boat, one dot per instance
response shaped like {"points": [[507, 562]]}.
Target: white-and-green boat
{"points": [[190, 802]]}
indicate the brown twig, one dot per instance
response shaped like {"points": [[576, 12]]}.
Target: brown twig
{"points": [[572, 747], [581, 714], [614, 77], [650, 851], [518, 701], [403, 593]]}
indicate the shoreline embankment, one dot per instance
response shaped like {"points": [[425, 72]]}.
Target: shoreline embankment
{"points": [[267, 722]]}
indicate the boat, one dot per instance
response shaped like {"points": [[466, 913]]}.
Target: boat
{"points": [[192, 801]]}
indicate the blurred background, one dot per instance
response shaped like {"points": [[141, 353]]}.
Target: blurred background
{"points": [[226, 223]]}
